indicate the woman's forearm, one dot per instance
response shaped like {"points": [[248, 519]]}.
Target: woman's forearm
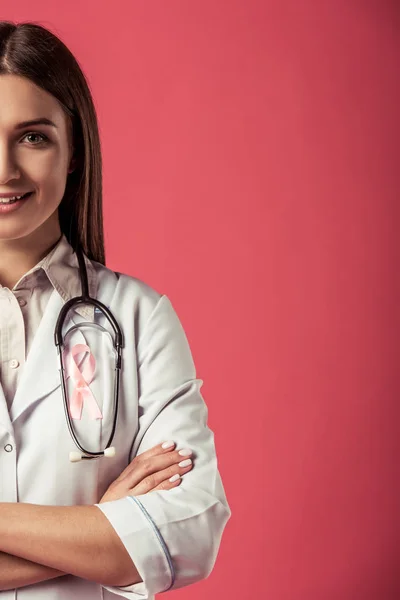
{"points": [[72, 539], [16, 572]]}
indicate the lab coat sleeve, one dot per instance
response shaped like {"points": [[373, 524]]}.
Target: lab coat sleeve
{"points": [[173, 536]]}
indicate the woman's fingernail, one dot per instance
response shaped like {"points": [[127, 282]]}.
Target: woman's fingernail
{"points": [[185, 452], [174, 478], [185, 463], [168, 444]]}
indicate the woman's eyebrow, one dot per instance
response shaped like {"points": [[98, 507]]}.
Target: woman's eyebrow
{"points": [[39, 121]]}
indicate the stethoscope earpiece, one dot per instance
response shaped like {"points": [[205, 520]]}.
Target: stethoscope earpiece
{"points": [[110, 452], [77, 456]]}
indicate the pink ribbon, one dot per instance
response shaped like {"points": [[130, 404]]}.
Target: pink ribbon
{"points": [[82, 379]]}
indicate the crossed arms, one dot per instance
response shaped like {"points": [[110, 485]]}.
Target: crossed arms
{"points": [[38, 543]]}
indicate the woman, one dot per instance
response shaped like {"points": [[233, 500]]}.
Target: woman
{"points": [[143, 521]]}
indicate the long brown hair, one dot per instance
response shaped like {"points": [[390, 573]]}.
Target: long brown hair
{"points": [[30, 50]]}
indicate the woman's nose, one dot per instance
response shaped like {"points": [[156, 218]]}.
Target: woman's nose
{"points": [[8, 166]]}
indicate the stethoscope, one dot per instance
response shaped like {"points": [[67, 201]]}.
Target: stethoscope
{"points": [[109, 451]]}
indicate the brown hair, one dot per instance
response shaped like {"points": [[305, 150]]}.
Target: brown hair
{"points": [[30, 50]]}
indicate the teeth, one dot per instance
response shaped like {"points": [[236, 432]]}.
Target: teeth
{"points": [[8, 200]]}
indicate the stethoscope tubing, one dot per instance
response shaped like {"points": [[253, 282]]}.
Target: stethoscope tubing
{"points": [[118, 345]]}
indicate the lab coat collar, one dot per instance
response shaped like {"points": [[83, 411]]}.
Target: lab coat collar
{"points": [[62, 269]]}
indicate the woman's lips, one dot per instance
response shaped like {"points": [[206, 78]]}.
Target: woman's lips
{"points": [[8, 208]]}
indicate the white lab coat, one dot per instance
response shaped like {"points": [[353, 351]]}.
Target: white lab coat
{"points": [[172, 536]]}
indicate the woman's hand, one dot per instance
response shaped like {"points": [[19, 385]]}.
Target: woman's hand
{"points": [[160, 468]]}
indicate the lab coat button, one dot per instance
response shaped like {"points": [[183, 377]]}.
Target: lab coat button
{"points": [[21, 302], [8, 448], [14, 363]]}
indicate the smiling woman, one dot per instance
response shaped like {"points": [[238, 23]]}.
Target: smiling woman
{"points": [[149, 516], [64, 168]]}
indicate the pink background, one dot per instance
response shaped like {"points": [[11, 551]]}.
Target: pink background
{"points": [[251, 174]]}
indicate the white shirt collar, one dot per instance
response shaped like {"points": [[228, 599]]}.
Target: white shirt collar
{"points": [[62, 269]]}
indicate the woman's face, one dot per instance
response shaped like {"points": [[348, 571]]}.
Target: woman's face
{"points": [[33, 158]]}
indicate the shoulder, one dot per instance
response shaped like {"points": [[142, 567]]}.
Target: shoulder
{"points": [[146, 314], [131, 287], [130, 297]]}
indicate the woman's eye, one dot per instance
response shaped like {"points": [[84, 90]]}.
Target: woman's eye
{"points": [[34, 134]]}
